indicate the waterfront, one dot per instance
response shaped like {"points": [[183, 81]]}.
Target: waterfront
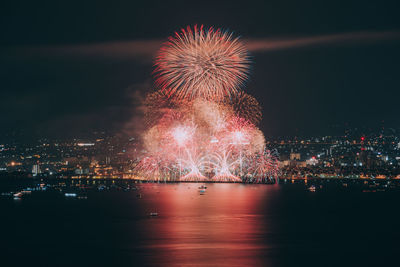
{"points": [[230, 225]]}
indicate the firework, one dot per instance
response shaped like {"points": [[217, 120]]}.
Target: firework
{"points": [[197, 149], [212, 115], [245, 106], [204, 140], [263, 167], [225, 163], [210, 64], [199, 124]]}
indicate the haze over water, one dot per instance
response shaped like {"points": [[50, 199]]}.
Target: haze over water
{"points": [[231, 225]]}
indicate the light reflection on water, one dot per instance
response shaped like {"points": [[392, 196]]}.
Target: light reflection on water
{"points": [[231, 225], [224, 227]]}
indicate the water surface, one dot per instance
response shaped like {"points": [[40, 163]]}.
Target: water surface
{"points": [[230, 225]]}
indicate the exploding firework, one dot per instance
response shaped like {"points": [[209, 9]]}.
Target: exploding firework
{"points": [[200, 126], [263, 167], [245, 106], [210, 64], [193, 162], [183, 146], [225, 164]]}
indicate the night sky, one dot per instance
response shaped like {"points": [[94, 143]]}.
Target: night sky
{"points": [[68, 68]]}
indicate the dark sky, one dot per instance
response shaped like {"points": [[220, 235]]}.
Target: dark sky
{"points": [[67, 68]]}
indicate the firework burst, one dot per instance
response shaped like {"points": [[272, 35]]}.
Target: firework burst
{"points": [[200, 126], [210, 64], [245, 106]]}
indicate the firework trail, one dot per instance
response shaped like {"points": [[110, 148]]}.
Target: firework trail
{"points": [[210, 64]]}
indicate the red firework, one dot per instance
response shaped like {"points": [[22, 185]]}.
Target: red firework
{"points": [[245, 106], [200, 128]]}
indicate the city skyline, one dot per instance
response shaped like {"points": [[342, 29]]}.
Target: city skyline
{"points": [[104, 156]]}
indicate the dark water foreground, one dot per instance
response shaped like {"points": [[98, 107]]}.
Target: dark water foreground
{"points": [[230, 225]]}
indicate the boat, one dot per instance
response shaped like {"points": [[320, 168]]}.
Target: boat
{"points": [[202, 191], [18, 195], [312, 188], [101, 187], [153, 214]]}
